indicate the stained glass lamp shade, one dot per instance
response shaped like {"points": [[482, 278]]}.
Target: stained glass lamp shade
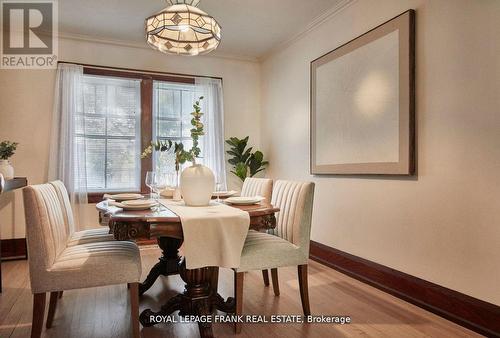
{"points": [[184, 29]]}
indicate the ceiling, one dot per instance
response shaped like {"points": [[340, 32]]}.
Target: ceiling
{"points": [[250, 28]]}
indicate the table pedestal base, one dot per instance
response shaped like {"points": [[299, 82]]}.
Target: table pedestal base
{"points": [[198, 299], [168, 264]]}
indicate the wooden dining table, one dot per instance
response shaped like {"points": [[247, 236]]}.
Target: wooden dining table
{"points": [[200, 296]]}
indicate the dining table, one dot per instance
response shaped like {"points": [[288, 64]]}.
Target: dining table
{"points": [[200, 296]]}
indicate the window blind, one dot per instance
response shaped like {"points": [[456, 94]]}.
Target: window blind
{"points": [[108, 126]]}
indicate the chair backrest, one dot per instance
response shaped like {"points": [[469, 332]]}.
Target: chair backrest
{"points": [[46, 230], [293, 221], [63, 195], [257, 187]]}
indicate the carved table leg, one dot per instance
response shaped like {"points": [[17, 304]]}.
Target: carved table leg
{"points": [[173, 304], [168, 264], [197, 299], [227, 306], [205, 329]]}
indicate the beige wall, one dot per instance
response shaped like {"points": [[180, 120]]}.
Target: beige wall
{"points": [[443, 226], [26, 107]]}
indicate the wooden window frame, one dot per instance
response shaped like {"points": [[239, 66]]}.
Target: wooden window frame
{"points": [[147, 79]]}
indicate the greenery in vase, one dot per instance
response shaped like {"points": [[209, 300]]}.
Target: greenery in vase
{"points": [[182, 155], [7, 149], [245, 163]]}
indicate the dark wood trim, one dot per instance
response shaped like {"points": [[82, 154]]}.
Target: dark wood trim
{"points": [[473, 313], [136, 75], [14, 248], [146, 127], [95, 197], [134, 70]]}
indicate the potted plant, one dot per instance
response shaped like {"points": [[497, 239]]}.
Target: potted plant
{"points": [[197, 181], [245, 163], [7, 149]]}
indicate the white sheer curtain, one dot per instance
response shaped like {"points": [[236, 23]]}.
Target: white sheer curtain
{"points": [[212, 144], [67, 153]]}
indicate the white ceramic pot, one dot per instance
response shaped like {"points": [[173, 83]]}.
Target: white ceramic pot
{"points": [[6, 169], [197, 185]]}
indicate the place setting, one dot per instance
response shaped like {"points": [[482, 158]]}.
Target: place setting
{"points": [[244, 200], [130, 201]]}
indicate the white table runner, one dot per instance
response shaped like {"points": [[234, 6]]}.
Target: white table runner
{"points": [[213, 235]]}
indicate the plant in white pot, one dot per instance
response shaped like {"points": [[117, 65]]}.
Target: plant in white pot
{"points": [[7, 149], [197, 181]]}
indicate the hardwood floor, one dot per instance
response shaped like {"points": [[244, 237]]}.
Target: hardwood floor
{"points": [[104, 312]]}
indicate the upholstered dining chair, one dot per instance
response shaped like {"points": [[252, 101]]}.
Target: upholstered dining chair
{"points": [[83, 236], [54, 266], [253, 186], [257, 187], [288, 245]]}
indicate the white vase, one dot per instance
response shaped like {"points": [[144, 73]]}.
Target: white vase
{"points": [[197, 185], [6, 169]]}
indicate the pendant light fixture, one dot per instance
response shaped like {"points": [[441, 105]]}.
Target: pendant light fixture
{"points": [[183, 29]]}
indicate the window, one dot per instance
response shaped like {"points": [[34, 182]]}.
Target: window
{"points": [[172, 107], [121, 112], [109, 121]]}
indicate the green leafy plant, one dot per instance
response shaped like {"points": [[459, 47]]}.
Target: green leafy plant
{"points": [[182, 155], [7, 149], [245, 163]]}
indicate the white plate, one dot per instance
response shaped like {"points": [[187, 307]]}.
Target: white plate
{"points": [[244, 200], [224, 193], [136, 203], [125, 197], [128, 206]]}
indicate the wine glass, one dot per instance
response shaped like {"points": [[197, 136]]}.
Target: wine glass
{"points": [[151, 182], [162, 181], [218, 186]]}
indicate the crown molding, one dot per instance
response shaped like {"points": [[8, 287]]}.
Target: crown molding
{"points": [[310, 27], [143, 45]]}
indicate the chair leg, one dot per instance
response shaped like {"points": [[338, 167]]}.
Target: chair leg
{"points": [[238, 296], [38, 314], [265, 276], [52, 308], [276, 286], [60, 294], [304, 292], [134, 309]]}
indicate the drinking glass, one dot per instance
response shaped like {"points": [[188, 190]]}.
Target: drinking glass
{"points": [[218, 185], [151, 182], [162, 181], [171, 180]]}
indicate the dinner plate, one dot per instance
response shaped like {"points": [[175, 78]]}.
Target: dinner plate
{"points": [[125, 197], [138, 205], [224, 193], [240, 200]]}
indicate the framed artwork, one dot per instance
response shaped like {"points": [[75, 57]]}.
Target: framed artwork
{"points": [[363, 103]]}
